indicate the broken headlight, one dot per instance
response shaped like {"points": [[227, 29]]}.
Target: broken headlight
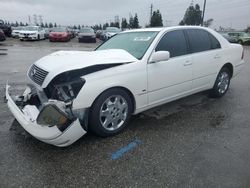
{"points": [[65, 91], [51, 115]]}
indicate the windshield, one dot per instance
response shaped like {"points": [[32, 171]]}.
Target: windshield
{"points": [[112, 29], [87, 30], [246, 35], [30, 28], [135, 43], [18, 28], [58, 29]]}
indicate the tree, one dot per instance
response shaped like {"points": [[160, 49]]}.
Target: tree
{"points": [[42, 24], [124, 24], [136, 21], [79, 27], [247, 29], [156, 19], [50, 25], [105, 26], [193, 16], [117, 24], [46, 25], [112, 24], [131, 22], [16, 24], [55, 25], [208, 22]]}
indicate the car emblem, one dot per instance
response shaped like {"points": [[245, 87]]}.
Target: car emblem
{"points": [[33, 72]]}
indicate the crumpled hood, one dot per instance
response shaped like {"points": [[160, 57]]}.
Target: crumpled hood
{"points": [[62, 61]]}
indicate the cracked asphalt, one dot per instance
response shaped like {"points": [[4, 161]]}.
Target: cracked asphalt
{"points": [[193, 142]]}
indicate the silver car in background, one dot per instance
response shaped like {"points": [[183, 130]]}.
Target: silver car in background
{"points": [[86, 35]]}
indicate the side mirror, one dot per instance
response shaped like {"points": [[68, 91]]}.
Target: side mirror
{"points": [[159, 56]]}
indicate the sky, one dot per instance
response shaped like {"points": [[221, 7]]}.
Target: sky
{"points": [[226, 13]]}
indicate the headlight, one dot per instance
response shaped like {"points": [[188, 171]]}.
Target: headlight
{"points": [[66, 91], [51, 115]]}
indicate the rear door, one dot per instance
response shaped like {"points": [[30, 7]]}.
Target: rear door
{"points": [[206, 55]]}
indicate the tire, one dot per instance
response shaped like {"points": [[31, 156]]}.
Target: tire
{"points": [[38, 37], [221, 84], [21, 39], [116, 107], [240, 42]]}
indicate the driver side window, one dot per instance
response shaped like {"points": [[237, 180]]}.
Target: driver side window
{"points": [[174, 42]]}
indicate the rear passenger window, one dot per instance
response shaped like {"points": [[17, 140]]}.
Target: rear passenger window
{"points": [[174, 42], [215, 44], [199, 40]]}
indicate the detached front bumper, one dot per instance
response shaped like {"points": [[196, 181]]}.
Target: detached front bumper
{"points": [[51, 135]]}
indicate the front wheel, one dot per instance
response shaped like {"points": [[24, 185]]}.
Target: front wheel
{"points": [[110, 112], [222, 83]]}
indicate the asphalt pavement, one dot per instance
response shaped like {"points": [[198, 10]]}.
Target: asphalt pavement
{"points": [[193, 142]]}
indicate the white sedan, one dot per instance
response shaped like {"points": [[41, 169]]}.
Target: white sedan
{"points": [[72, 92], [32, 33]]}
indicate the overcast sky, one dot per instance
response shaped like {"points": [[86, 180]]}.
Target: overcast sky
{"points": [[225, 13]]}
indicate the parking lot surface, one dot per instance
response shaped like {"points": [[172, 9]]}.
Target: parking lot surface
{"points": [[193, 142]]}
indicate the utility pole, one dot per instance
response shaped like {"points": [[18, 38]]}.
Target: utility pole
{"points": [[203, 12], [151, 12]]}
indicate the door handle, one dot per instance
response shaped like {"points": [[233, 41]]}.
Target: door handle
{"points": [[216, 56], [188, 63]]}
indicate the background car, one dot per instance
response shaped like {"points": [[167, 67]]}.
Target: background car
{"points": [[47, 31], [109, 32], [86, 35], [230, 39], [15, 31], [32, 33], [98, 33], [59, 34], [2, 35], [242, 37], [6, 28]]}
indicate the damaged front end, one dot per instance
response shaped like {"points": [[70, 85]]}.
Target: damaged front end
{"points": [[50, 119]]}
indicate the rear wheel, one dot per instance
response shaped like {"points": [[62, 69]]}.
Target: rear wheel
{"points": [[110, 112], [222, 83]]}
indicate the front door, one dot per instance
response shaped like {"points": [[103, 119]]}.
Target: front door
{"points": [[172, 78]]}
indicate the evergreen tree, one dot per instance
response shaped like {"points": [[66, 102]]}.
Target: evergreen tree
{"points": [[193, 16], [105, 26], [136, 21], [50, 25], [131, 22], [124, 24], [156, 19], [46, 25], [55, 25]]}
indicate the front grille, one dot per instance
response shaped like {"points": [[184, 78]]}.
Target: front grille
{"points": [[37, 74]]}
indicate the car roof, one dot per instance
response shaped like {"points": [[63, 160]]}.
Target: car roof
{"points": [[158, 29]]}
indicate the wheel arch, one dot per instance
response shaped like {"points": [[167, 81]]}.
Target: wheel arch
{"points": [[230, 67]]}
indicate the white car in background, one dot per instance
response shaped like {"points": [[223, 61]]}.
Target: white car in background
{"points": [[32, 33], [110, 32], [15, 31], [72, 92]]}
